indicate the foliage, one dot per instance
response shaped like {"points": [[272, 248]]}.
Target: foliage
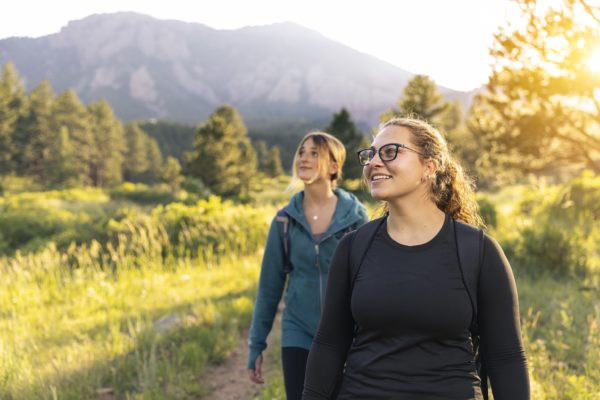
{"points": [[554, 230], [142, 193], [12, 104], [342, 127], [173, 139], [195, 186], [33, 137], [560, 321], [76, 143], [269, 160], [273, 166], [28, 221], [223, 157], [143, 159], [540, 111], [62, 143], [106, 160], [171, 173], [421, 99], [488, 211]]}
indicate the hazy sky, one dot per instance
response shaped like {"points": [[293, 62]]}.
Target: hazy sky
{"points": [[445, 39]]}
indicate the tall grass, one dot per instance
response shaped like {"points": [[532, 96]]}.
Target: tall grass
{"points": [[148, 333], [140, 316]]}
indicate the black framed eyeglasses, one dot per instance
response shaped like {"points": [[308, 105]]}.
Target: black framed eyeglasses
{"points": [[387, 152]]}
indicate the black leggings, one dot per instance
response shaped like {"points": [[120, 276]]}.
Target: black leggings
{"points": [[294, 366]]}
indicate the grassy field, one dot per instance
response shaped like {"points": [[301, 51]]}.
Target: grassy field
{"points": [[146, 333], [162, 290]]}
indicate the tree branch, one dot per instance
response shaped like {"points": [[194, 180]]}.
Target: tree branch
{"points": [[590, 10]]}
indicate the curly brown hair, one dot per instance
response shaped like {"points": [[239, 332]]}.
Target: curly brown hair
{"points": [[451, 189]]}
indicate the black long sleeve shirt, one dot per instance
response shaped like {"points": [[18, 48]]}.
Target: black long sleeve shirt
{"points": [[402, 332]]}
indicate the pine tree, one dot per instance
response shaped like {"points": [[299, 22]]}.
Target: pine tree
{"points": [[107, 155], [420, 99], [62, 163], [342, 127], [155, 161], [12, 106], [272, 164], [136, 155], [171, 173], [35, 136], [262, 154], [223, 157], [70, 113]]}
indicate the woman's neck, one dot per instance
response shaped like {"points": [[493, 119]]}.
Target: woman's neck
{"points": [[318, 193], [414, 223]]}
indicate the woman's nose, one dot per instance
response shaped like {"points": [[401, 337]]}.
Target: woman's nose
{"points": [[376, 159]]}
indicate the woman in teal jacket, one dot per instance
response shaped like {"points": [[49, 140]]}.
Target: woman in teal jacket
{"points": [[317, 218]]}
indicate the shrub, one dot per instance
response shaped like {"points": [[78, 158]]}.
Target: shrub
{"points": [[487, 211], [561, 234], [143, 194]]}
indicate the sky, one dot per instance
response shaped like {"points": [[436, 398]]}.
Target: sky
{"points": [[448, 40]]}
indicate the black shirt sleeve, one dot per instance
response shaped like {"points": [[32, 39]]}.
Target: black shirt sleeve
{"points": [[336, 330], [498, 314]]}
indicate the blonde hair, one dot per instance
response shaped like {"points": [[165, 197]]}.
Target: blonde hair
{"points": [[451, 189], [329, 148]]}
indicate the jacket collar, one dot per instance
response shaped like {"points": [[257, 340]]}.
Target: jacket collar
{"points": [[347, 211]]}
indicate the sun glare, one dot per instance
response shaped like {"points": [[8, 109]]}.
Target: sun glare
{"points": [[593, 62]]}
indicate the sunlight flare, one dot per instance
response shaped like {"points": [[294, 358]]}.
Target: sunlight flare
{"points": [[593, 63]]}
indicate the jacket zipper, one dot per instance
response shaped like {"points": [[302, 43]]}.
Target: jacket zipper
{"points": [[318, 265]]}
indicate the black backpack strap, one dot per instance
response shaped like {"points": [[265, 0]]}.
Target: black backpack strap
{"points": [[283, 223], [469, 247], [361, 241]]}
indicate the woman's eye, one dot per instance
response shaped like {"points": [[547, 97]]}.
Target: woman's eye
{"points": [[314, 154], [389, 152]]}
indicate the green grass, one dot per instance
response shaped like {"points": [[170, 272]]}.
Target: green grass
{"points": [[560, 322], [80, 318], [66, 335]]}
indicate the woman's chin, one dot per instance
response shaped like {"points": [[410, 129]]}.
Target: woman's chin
{"points": [[378, 194]]}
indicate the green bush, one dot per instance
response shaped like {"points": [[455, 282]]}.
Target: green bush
{"points": [[195, 186], [28, 221], [559, 231], [21, 226], [487, 211], [143, 194]]}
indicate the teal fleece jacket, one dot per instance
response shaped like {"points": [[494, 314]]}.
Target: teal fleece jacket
{"points": [[306, 283]]}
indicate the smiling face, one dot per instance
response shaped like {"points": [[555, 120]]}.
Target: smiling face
{"points": [[404, 176]]}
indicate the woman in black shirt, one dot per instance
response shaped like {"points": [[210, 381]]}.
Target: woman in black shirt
{"points": [[401, 327]]}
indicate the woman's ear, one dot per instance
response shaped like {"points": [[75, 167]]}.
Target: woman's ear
{"points": [[333, 167], [431, 168]]}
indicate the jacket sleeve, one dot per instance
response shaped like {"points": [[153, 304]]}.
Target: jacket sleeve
{"points": [[501, 343], [270, 288], [336, 330]]}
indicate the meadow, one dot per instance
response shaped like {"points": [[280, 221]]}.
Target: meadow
{"points": [[132, 293]]}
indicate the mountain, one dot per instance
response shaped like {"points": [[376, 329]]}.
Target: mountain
{"points": [[164, 69]]}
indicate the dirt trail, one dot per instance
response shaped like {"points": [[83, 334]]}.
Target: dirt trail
{"points": [[229, 381]]}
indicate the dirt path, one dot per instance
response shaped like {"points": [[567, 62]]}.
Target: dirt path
{"points": [[229, 381]]}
